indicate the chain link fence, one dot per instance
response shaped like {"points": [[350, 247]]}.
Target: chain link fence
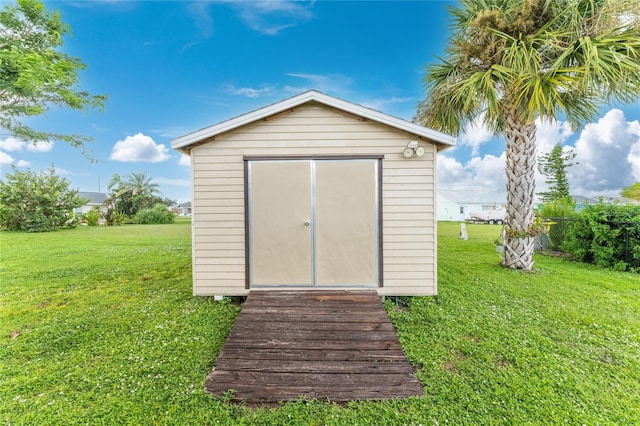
{"points": [[558, 231]]}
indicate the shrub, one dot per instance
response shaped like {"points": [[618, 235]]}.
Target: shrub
{"points": [[92, 217], [558, 211], [112, 217], [606, 235], [37, 202], [159, 214]]}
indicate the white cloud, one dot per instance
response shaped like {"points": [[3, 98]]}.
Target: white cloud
{"points": [[65, 172], [379, 104], [185, 160], [11, 144], [270, 17], [550, 133], [6, 158], [98, 128], [489, 171], [451, 172], [481, 179], [171, 131], [40, 147], [634, 159], [139, 148], [263, 90], [330, 83], [608, 153], [173, 182], [200, 13], [475, 134]]}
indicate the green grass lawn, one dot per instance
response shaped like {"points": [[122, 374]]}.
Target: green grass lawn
{"points": [[98, 326]]}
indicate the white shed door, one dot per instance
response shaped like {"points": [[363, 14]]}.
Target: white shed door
{"points": [[313, 223]]}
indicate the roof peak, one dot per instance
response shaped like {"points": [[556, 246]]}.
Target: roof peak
{"points": [[183, 143]]}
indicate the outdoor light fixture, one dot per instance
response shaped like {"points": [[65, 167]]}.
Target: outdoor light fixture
{"points": [[413, 148]]}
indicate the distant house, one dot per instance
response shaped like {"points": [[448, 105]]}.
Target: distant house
{"points": [[182, 209], [452, 208], [449, 210], [582, 202], [95, 199]]}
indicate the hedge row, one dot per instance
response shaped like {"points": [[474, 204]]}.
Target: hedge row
{"points": [[606, 235]]}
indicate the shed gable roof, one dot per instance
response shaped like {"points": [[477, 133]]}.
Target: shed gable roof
{"points": [[184, 143]]}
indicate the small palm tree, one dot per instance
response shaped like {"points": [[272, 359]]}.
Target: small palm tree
{"points": [[140, 184], [509, 62], [115, 184], [132, 193]]}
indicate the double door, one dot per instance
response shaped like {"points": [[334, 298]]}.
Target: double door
{"points": [[313, 223]]}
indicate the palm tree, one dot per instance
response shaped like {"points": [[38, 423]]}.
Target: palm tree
{"points": [[131, 193], [509, 62], [115, 184], [140, 185]]}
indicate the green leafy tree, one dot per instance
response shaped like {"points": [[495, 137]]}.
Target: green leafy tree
{"points": [[554, 166], [632, 192], [35, 74], [37, 202], [132, 193], [509, 62]]}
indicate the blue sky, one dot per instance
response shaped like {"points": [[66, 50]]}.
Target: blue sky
{"points": [[173, 67]]}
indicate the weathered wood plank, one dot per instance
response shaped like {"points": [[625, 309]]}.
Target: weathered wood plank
{"points": [[311, 326], [297, 334], [273, 342], [316, 380], [324, 367], [265, 394], [298, 305], [310, 355], [334, 345], [304, 317], [309, 309]]}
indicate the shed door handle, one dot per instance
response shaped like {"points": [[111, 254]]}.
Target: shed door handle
{"points": [[307, 223]]}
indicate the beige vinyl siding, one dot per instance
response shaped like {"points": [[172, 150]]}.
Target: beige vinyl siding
{"points": [[408, 188]]}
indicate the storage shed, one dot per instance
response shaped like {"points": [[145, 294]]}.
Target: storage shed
{"points": [[314, 192]]}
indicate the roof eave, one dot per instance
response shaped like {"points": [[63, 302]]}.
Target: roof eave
{"points": [[183, 143]]}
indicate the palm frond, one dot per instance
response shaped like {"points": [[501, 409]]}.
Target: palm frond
{"points": [[568, 59]]}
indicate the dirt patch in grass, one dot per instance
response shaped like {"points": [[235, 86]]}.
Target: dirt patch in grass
{"points": [[452, 365]]}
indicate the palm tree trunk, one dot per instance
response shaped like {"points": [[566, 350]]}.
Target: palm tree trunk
{"points": [[521, 162]]}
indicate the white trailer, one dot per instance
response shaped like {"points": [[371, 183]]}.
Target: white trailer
{"points": [[490, 216]]}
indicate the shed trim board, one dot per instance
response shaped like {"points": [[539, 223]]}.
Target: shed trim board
{"points": [[357, 256], [332, 134]]}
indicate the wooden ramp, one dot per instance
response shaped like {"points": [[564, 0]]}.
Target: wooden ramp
{"points": [[337, 345]]}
